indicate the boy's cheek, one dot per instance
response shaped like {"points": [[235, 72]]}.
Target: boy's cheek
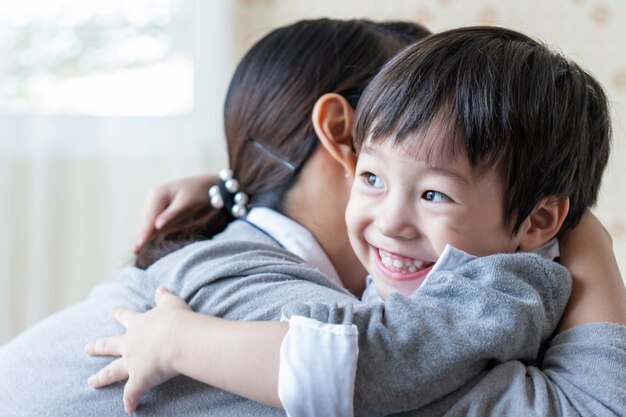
{"points": [[354, 225], [352, 212]]}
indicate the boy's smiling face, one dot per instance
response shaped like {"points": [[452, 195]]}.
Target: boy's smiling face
{"points": [[405, 208]]}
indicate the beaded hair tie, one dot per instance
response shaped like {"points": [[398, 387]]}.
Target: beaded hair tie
{"points": [[225, 194]]}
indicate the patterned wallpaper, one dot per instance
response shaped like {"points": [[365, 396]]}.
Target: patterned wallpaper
{"points": [[592, 32]]}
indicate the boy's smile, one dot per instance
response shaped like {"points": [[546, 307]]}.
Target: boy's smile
{"points": [[401, 267], [404, 209]]}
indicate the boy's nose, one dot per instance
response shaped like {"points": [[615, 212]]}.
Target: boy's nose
{"points": [[395, 219]]}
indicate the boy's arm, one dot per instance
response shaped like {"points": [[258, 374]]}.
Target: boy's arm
{"points": [[416, 350], [237, 363], [241, 357], [413, 350]]}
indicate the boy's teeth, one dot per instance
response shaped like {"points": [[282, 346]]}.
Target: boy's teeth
{"points": [[406, 266]]}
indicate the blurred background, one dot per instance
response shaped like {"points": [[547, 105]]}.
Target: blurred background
{"points": [[102, 100]]}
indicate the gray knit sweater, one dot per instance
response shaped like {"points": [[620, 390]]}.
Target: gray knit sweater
{"points": [[43, 371]]}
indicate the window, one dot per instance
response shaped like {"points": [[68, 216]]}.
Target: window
{"points": [[96, 58]]}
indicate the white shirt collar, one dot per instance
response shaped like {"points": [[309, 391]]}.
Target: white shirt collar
{"points": [[295, 238], [452, 257]]}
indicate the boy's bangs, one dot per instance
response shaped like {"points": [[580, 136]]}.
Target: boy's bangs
{"points": [[437, 133], [435, 138]]}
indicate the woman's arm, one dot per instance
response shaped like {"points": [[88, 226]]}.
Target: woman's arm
{"points": [[598, 292]]}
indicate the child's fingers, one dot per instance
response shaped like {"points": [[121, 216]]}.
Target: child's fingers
{"points": [[124, 315], [132, 392], [107, 346], [110, 374], [163, 296]]}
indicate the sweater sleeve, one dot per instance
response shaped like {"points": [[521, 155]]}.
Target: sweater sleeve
{"points": [[416, 350], [582, 375]]}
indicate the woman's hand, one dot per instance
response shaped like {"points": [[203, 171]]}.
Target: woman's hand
{"points": [[167, 201], [598, 293], [145, 351]]}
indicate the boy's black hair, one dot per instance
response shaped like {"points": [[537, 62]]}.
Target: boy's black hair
{"points": [[402, 30], [506, 100]]}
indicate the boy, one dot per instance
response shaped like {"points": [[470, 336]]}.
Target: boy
{"points": [[473, 144]]}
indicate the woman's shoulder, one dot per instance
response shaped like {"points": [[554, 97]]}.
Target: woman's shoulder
{"points": [[241, 250], [242, 273], [243, 240]]}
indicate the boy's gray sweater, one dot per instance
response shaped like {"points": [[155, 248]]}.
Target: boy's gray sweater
{"points": [[457, 359]]}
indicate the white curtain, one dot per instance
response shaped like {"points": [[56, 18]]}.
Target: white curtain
{"points": [[71, 187]]}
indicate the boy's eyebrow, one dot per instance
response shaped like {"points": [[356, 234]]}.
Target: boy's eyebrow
{"points": [[450, 173]]}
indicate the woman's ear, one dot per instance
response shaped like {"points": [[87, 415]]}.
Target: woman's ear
{"points": [[543, 223], [332, 120]]}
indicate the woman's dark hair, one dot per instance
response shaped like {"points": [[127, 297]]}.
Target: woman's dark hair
{"points": [[267, 113], [508, 102]]}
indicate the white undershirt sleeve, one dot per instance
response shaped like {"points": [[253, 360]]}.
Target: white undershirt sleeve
{"points": [[318, 368]]}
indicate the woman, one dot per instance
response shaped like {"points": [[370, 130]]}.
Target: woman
{"points": [[272, 141]]}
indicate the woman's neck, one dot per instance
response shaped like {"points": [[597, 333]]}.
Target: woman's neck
{"points": [[320, 209], [333, 238]]}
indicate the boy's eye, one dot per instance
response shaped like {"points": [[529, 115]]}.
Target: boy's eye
{"points": [[373, 180], [435, 196]]}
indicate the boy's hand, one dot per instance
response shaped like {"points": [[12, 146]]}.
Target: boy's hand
{"points": [[168, 201], [598, 293], [145, 350]]}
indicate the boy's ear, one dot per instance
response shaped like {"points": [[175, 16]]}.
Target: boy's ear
{"points": [[332, 120], [543, 223]]}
